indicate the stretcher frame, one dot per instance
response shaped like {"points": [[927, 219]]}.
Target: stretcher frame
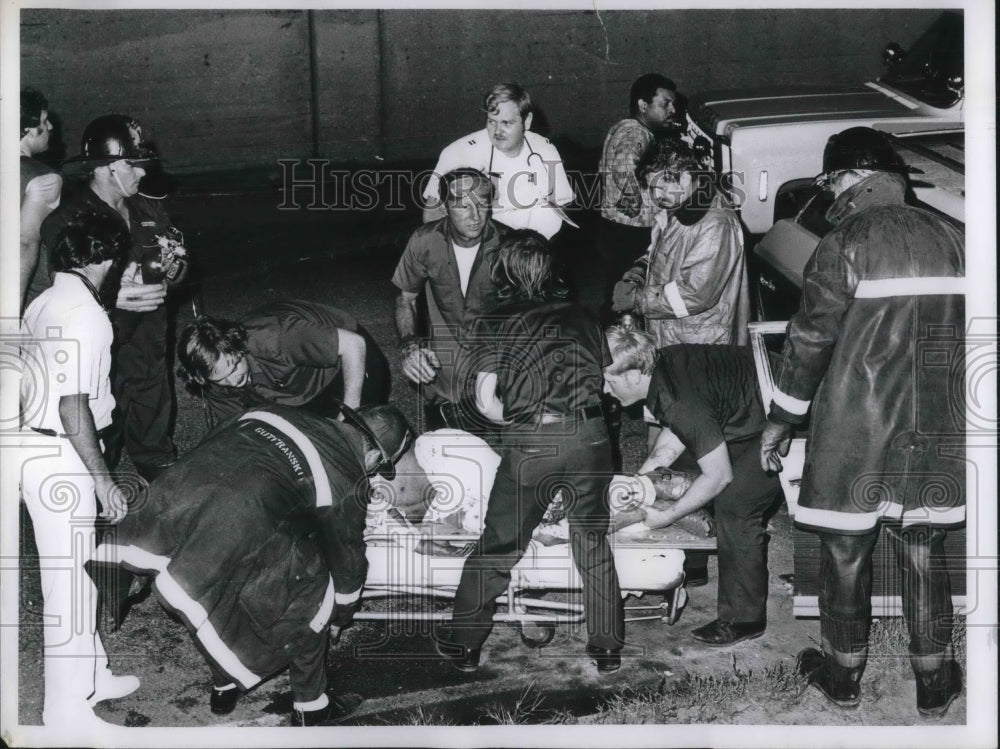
{"points": [[537, 574]]}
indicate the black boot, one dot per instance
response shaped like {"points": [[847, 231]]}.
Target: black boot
{"points": [[338, 708], [840, 685], [937, 689]]}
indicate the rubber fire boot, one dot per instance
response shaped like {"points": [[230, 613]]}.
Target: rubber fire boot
{"points": [[937, 689], [839, 684]]}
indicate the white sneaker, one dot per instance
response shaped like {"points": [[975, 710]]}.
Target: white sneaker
{"points": [[113, 688]]}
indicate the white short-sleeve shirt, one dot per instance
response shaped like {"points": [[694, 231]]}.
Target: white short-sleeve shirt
{"points": [[66, 350], [528, 185]]}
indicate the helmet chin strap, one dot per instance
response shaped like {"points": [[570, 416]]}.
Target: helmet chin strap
{"points": [[118, 181]]}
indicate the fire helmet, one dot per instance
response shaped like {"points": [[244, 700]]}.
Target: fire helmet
{"points": [[861, 148], [387, 428], [110, 138]]}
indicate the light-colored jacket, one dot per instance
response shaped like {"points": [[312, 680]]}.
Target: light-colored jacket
{"points": [[695, 288]]}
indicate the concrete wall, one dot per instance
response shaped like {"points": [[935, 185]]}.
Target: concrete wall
{"points": [[240, 89]]}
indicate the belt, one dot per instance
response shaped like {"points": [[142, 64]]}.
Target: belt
{"points": [[47, 432], [583, 414]]}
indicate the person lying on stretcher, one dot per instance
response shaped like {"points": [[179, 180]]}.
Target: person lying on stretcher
{"points": [[442, 485]]}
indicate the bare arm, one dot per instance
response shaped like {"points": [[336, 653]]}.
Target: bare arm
{"points": [[406, 314], [352, 350], [78, 424], [419, 364], [716, 475], [665, 449], [40, 199]]}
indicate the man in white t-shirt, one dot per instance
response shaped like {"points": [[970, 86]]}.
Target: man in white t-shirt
{"points": [[528, 174], [66, 401], [448, 259]]}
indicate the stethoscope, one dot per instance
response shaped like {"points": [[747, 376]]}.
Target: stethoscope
{"points": [[532, 176]]}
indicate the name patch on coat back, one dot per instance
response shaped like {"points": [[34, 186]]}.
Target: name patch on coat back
{"points": [[283, 447]]}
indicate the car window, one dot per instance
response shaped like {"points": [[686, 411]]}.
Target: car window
{"points": [[813, 216]]}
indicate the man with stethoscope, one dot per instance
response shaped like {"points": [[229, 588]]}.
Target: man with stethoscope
{"points": [[529, 178]]}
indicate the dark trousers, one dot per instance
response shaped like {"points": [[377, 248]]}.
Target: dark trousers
{"points": [[741, 536], [306, 671], [573, 456], [846, 584], [618, 247], [141, 386]]}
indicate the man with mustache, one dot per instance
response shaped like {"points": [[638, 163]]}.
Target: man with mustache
{"points": [[528, 173]]}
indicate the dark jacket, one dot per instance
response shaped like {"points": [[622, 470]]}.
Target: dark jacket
{"points": [[255, 537], [147, 219], [875, 355]]}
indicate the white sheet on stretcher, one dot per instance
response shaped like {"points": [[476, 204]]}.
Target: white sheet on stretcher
{"points": [[643, 565], [460, 468]]}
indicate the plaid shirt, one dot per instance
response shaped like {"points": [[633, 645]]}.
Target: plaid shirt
{"points": [[623, 146]]}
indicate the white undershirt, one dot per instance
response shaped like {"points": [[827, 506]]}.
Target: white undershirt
{"points": [[465, 257]]}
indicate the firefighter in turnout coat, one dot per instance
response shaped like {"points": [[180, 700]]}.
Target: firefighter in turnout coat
{"points": [[875, 358], [255, 539]]}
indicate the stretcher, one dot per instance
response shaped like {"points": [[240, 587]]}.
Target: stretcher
{"points": [[405, 562]]}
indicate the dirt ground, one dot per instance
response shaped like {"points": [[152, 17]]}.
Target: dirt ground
{"points": [[393, 666]]}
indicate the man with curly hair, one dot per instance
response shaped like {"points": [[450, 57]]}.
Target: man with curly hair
{"points": [[691, 285], [290, 352]]}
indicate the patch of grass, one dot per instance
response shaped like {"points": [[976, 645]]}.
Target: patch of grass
{"points": [[420, 717], [889, 638], [696, 698], [527, 710]]}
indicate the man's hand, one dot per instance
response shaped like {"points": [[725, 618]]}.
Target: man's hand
{"points": [[774, 441], [623, 298], [136, 296], [419, 364], [629, 204], [112, 499], [636, 274], [660, 514]]}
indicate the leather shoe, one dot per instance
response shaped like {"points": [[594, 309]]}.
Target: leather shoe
{"points": [[337, 708], [607, 660], [461, 657], [937, 689], [839, 684], [223, 701], [720, 633]]}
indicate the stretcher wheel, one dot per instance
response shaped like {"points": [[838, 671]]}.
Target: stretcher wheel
{"points": [[672, 609], [536, 635]]}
